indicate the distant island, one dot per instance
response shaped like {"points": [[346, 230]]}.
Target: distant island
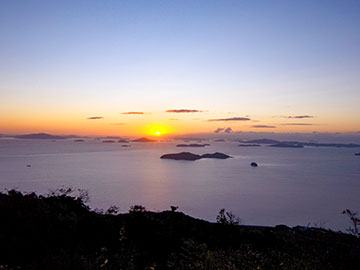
{"points": [[191, 157], [123, 141], [38, 136], [261, 141], [144, 139], [192, 145], [296, 144], [108, 141], [79, 140], [248, 145], [288, 145]]}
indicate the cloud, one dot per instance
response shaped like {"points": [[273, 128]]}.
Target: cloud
{"points": [[226, 130], [298, 124], [182, 111], [230, 119], [299, 116], [173, 119], [263, 126], [118, 124], [218, 130], [132, 113], [95, 117]]}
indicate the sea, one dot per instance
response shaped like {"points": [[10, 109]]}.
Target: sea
{"points": [[308, 186]]}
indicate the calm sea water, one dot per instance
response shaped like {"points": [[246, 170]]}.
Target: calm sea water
{"points": [[290, 186]]}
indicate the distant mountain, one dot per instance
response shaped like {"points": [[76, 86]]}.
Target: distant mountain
{"points": [[43, 136], [143, 139], [262, 141]]}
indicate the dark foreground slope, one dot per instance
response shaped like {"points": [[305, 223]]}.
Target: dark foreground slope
{"points": [[60, 232]]}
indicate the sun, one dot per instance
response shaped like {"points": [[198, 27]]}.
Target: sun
{"points": [[157, 130]]}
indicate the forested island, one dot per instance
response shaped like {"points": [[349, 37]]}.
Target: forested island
{"points": [[59, 231]]}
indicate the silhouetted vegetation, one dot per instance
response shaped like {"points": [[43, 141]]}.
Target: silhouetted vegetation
{"points": [[59, 231], [227, 218], [355, 222]]}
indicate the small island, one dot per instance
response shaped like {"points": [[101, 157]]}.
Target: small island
{"points": [[79, 140], [192, 145], [249, 145], [192, 157], [261, 141], [122, 141], [40, 136], [144, 139], [108, 141], [288, 145]]}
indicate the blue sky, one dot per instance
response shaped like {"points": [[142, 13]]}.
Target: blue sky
{"points": [[258, 58]]}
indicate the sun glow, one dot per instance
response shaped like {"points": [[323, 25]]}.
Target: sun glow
{"points": [[157, 130]]}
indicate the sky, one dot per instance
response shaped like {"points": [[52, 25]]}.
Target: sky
{"points": [[137, 67]]}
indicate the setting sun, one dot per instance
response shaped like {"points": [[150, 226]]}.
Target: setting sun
{"points": [[157, 132]]}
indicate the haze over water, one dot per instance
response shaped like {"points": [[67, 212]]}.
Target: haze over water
{"points": [[290, 186]]}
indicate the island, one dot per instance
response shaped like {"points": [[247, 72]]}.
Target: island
{"points": [[123, 141], [144, 139], [108, 141], [357, 154], [261, 141], [79, 140], [216, 155], [181, 156], [192, 157], [39, 136], [191, 145], [249, 145], [288, 145]]}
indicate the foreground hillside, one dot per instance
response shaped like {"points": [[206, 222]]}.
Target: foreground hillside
{"points": [[60, 232]]}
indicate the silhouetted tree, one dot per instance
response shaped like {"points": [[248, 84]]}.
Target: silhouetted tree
{"points": [[227, 218], [137, 209], [174, 208], [355, 222]]}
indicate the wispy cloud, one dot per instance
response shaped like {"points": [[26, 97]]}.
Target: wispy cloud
{"points": [[183, 111], [118, 124], [95, 118], [298, 124], [299, 116], [173, 119], [263, 126], [225, 130], [132, 113], [230, 119]]}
